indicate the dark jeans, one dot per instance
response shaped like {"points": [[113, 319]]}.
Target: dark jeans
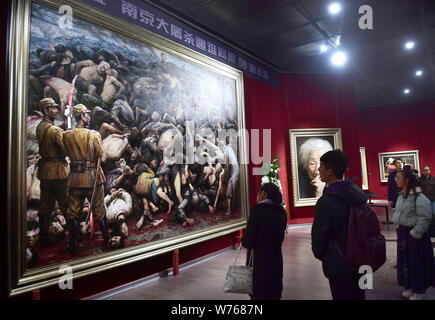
{"points": [[346, 288]]}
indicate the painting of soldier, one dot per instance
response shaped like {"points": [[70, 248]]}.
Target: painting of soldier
{"points": [[308, 145], [126, 143]]}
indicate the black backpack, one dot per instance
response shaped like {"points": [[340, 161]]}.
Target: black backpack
{"points": [[365, 245]]}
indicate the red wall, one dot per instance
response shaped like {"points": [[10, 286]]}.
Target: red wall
{"points": [[401, 127], [323, 101], [303, 101], [265, 109]]}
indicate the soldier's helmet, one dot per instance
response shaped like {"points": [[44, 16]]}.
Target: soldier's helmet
{"points": [[46, 103], [80, 109]]}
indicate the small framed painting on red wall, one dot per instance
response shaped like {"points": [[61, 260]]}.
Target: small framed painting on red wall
{"points": [[386, 162]]}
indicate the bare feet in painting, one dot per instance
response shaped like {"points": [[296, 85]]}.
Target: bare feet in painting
{"points": [[171, 203], [228, 213], [140, 222], [154, 207], [156, 222]]}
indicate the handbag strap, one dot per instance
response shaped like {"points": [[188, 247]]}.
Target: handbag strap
{"points": [[250, 258]]}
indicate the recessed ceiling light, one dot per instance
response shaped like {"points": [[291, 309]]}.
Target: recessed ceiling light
{"points": [[339, 58], [418, 73], [409, 45], [406, 91], [323, 48], [334, 8]]}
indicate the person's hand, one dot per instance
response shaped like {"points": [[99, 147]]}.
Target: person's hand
{"points": [[128, 171], [415, 235], [210, 209], [390, 204], [318, 184], [115, 242]]}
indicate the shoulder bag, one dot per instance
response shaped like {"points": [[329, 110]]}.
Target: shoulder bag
{"points": [[239, 279]]}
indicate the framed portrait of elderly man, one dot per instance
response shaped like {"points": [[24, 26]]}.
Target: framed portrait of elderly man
{"points": [[387, 162], [122, 145], [306, 147]]}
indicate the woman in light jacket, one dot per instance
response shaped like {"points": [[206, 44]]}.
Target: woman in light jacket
{"points": [[415, 258]]}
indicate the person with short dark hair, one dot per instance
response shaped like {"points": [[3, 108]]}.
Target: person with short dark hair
{"points": [[427, 183], [412, 217], [393, 191], [265, 234], [331, 222]]}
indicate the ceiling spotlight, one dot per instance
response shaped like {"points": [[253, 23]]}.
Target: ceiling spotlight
{"points": [[409, 45], [418, 73], [334, 8], [339, 58], [323, 48], [406, 91]]}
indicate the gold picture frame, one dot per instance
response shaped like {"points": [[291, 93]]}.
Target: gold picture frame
{"points": [[323, 138], [365, 177], [20, 278], [386, 159]]}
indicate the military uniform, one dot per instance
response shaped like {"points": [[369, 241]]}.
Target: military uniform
{"points": [[52, 169], [83, 146]]}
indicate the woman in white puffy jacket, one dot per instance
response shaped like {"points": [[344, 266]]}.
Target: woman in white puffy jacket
{"points": [[415, 257]]}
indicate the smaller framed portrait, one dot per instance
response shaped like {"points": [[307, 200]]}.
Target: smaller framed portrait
{"points": [[386, 162], [306, 148]]}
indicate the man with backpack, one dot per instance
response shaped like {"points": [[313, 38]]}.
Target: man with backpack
{"points": [[342, 207]]}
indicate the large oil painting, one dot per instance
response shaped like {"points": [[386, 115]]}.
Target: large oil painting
{"points": [[307, 146], [131, 143]]}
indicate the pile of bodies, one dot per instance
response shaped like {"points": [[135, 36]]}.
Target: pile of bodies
{"points": [[142, 112]]}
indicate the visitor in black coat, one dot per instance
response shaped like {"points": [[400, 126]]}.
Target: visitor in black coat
{"points": [[329, 229], [265, 234]]}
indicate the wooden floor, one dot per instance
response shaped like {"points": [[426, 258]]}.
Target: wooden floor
{"points": [[303, 277]]}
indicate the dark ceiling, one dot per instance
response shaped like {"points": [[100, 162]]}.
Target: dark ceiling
{"points": [[287, 34]]}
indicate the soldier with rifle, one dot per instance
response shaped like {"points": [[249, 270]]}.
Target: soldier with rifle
{"points": [[86, 179]]}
